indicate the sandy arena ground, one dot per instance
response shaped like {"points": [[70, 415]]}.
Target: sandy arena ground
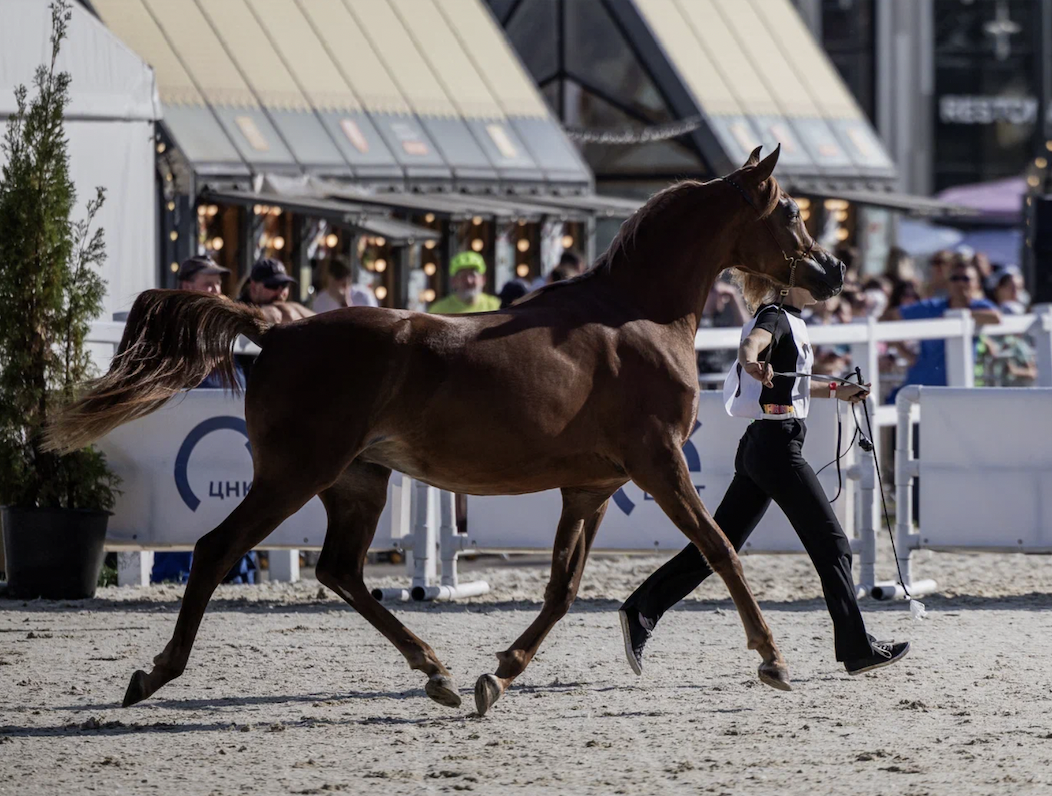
{"points": [[290, 692]]}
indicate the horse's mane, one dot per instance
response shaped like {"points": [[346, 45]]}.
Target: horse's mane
{"points": [[619, 250]]}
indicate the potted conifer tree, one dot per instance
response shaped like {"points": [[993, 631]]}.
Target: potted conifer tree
{"points": [[54, 507]]}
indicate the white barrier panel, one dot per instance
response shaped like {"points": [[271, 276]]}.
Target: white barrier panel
{"points": [[986, 469], [185, 468], [633, 520]]}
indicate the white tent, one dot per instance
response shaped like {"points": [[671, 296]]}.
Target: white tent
{"points": [[110, 126]]}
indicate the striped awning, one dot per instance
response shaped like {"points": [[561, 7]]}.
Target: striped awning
{"points": [[754, 74], [380, 90]]}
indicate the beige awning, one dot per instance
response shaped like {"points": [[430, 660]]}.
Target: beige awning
{"points": [[401, 55], [136, 27], [757, 77], [484, 42]]}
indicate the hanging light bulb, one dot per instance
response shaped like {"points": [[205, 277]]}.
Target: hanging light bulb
{"points": [[429, 218], [567, 241], [476, 220], [428, 296], [278, 242], [217, 243], [331, 240], [477, 244], [522, 269], [381, 292], [523, 245], [380, 266], [429, 244], [429, 269]]}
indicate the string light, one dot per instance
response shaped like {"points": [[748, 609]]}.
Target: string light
{"points": [[171, 205], [160, 148], [840, 215], [212, 210], [803, 203], [201, 210], [174, 267], [381, 292], [1041, 163], [275, 211], [429, 218], [381, 241], [842, 234], [428, 296], [567, 241], [257, 209], [522, 269], [835, 204], [429, 269], [331, 240], [523, 245], [278, 242], [477, 244], [380, 266], [429, 244], [476, 220], [217, 243], [173, 235]]}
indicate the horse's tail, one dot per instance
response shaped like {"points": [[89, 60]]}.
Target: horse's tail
{"points": [[172, 340]]}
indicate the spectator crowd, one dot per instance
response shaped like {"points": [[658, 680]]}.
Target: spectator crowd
{"points": [[950, 280]]}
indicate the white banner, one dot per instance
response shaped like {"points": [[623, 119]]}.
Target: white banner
{"points": [[184, 469], [986, 468], [633, 520]]}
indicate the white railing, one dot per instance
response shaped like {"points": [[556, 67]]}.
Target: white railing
{"points": [[957, 328]]}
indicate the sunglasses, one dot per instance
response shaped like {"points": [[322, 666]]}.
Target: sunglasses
{"points": [[960, 278]]}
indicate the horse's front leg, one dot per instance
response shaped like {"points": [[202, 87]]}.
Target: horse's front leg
{"points": [[664, 474]]}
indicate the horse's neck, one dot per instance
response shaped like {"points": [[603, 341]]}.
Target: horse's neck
{"points": [[674, 290]]}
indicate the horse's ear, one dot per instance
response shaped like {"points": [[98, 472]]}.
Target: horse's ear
{"points": [[765, 167], [754, 158]]}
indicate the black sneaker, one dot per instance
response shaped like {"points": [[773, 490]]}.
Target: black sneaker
{"points": [[636, 630], [884, 653]]}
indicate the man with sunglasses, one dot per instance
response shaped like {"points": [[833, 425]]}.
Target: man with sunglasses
{"points": [[964, 293]]}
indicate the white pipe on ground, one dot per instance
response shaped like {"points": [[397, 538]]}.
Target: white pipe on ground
{"points": [[894, 591], [439, 593], [395, 594]]}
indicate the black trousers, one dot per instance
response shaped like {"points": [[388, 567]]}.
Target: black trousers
{"points": [[770, 466]]}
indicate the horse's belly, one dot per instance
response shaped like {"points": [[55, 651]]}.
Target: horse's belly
{"points": [[481, 473]]}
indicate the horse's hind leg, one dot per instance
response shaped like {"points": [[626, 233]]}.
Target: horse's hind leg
{"points": [[581, 515], [353, 504], [267, 504], [663, 473]]}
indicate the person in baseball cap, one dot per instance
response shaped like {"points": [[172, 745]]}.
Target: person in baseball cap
{"points": [[202, 275], [268, 283], [467, 278]]}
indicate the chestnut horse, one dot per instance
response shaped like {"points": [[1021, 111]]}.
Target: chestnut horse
{"points": [[583, 386]]}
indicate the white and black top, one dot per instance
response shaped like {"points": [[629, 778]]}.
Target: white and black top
{"points": [[790, 396]]}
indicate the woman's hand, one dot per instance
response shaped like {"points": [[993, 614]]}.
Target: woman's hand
{"points": [[852, 393], [762, 373]]}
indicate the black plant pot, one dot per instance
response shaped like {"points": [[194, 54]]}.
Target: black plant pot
{"points": [[55, 554]]}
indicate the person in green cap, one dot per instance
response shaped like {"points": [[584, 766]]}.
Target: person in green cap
{"points": [[467, 278]]}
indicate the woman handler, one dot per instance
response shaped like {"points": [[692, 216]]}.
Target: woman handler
{"points": [[770, 466]]}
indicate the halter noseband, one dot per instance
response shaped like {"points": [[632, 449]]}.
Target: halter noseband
{"points": [[783, 292]]}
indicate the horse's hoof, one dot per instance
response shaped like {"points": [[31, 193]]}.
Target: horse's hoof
{"points": [[487, 691], [441, 689], [776, 675], [137, 690]]}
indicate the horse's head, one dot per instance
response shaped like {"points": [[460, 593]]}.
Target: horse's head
{"points": [[773, 242]]}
